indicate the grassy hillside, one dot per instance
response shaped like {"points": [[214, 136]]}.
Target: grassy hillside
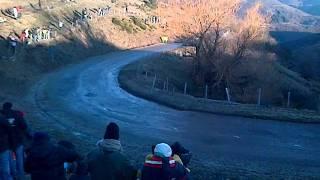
{"points": [[300, 53], [55, 10]]}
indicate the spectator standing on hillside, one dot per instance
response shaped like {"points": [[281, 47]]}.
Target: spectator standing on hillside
{"points": [[126, 8], [19, 10], [108, 161], [18, 131], [5, 173], [45, 33], [28, 36], [27, 32], [15, 13], [23, 37], [84, 14], [60, 24], [38, 34], [33, 35], [100, 13], [45, 160]]}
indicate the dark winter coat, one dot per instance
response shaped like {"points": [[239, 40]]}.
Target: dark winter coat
{"points": [[79, 177], [108, 162], [81, 172], [4, 134], [157, 168], [17, 127], [45, 161]]}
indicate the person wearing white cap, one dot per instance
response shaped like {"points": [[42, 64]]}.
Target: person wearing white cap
{"points": [[162, 166], [163, 150]]}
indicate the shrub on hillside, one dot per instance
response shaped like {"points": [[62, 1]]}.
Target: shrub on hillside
{"points": [[151, 3], [116, 21], [125, 25], [302, 100], [138, 22]]}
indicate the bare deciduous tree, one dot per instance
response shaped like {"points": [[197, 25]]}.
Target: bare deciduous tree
{"points": [[214, 27], [251, 29]]}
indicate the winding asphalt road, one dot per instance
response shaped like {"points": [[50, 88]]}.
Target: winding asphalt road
{"points": [[82, 98]]}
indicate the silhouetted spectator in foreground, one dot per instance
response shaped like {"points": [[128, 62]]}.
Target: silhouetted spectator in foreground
{"points": [[18, 131], [179, 152], [5, 173], [162, 166], [149, 156], [108, 161], [45, 160], [80, 172], [68, 167]]}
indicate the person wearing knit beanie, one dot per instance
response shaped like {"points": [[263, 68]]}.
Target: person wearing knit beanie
{"points": [[112, 131], [108, 161]]}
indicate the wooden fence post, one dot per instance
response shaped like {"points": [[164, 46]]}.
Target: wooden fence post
{"points": [[154, 81], [289, 99], [259, 97], [138, 71], [206, 92], [228, 94]]}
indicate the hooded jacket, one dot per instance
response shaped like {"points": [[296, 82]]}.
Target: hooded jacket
{"points": [[17, 127], [45, 161], [108, 162], [4, 134]]}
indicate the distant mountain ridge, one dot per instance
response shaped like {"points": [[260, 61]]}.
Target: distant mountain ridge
{"points": [[309, 6], [289, 15]]}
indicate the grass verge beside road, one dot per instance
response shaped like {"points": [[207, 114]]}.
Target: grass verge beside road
{"points": [[133, 79]]}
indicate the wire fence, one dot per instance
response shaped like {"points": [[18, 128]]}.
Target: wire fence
{"points": [[167, 85]]}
